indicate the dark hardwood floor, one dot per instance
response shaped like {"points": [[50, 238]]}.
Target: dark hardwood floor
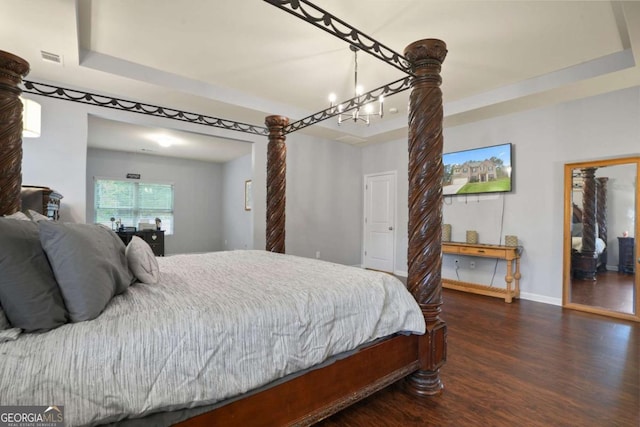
{"points": [[520, 364], [610, 290]]}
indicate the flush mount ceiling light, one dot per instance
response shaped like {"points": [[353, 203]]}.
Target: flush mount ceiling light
{"points": [[31, 114], [355, 114], [164, 140]]}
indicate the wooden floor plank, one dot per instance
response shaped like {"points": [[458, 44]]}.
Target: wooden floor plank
{"points": [[611, 290], [520, 364]]}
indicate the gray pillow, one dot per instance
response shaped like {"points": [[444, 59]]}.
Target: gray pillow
{"points": [[142, 262], [89, 264], [29, 295]]}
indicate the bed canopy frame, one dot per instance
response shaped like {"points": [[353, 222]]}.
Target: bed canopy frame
{"points": [[319, 393]]}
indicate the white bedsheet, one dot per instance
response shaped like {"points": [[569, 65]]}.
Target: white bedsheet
{"points": [[576, 243], [216, 325]]}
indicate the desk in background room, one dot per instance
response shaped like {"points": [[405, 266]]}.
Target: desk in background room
{"points": [[155, 239]]}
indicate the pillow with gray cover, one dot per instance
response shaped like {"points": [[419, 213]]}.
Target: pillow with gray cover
{"points": [[18, 215], [37, 216], [142, 262], [89, 264], [29, 294]]}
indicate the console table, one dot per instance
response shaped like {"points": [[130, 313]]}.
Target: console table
{"points": [[508, 253]]}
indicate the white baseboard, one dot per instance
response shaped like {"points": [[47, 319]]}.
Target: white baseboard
{"points": [[541, 298], [523, 295]]}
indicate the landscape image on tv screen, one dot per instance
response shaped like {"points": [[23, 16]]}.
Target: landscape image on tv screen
{"points": [[477, 171]]}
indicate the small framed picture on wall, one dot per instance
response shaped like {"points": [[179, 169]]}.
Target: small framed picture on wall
{"points": [[248, 197]]}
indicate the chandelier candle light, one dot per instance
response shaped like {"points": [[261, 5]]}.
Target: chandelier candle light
{"points": [[355, 114]]}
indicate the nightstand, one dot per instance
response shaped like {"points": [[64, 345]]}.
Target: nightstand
{"points": [[626, 257]]}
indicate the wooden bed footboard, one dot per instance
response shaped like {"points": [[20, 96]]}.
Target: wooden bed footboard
{"points": [[316, 395]]}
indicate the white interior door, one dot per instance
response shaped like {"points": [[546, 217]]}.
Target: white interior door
{"points": [[379, 221]]}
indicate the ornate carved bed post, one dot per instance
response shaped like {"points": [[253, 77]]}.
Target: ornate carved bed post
{"points": [[12, 70], [589, 211], [588, 258], [276, 183], [425, 208], [601, 215]]}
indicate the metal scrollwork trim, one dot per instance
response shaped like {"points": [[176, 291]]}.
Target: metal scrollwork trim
{"points": [[322, 19], [139, 107]]}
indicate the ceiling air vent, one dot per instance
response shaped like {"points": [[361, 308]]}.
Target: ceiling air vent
{"points": [[51, 57]]}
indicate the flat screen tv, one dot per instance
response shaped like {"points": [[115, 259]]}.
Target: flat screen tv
{"points": [[478, 171]]}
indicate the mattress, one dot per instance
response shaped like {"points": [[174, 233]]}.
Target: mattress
{"points": [[217, 325]]}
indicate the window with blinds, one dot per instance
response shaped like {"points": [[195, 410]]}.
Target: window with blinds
{"points": [[133, 202]]}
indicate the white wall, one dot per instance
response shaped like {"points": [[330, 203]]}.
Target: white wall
{"points": [[324, 182], [197, 194], [57, 159], [324, 198], [393, 156], [259, 187], [237, 223], [621, 214], [544, 140]]}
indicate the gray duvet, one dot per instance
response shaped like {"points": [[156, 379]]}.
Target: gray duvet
{"points": [[216, 325]]}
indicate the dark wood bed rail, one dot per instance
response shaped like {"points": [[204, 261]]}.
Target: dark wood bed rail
{"points": [[12, 70]]}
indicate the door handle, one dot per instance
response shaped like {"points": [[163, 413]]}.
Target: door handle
{"points": [[390, 228]]}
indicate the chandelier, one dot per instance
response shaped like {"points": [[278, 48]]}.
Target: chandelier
{"points": [[356, 115]]}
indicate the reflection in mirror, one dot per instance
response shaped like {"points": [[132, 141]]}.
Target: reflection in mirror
{"points": [[602, 224]]}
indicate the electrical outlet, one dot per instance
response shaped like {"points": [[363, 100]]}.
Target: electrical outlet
{"points": [[318, 255], [472, 264]]}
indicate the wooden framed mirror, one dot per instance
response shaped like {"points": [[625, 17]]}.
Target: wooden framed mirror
{"points": [[601, 234]]}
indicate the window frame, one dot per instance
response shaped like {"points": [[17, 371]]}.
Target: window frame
{"points": [[136, 208]]}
